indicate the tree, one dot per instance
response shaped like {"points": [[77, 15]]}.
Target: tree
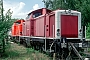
{"points": [[80, 5], [5, 25], [8, 14]]}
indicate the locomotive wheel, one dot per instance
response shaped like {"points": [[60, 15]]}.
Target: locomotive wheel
{"points": [[24, 44], [21, 41], [28, 46], [41, 48]]}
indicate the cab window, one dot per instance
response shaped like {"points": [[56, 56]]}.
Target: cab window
{"points": [[36, 14], [28, 16], [17, 23]]}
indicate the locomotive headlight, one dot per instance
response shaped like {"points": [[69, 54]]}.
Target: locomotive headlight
{"points": [[58, 32], [80, 32], [69, 11]]}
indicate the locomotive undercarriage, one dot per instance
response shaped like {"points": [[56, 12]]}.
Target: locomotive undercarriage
{"points": [[64, 49]]}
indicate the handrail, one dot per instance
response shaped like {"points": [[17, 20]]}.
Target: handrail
{"points": [[75, 50]]}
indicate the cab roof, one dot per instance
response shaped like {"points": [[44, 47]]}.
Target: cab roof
{"points": [[39, 10], [19, 20]]}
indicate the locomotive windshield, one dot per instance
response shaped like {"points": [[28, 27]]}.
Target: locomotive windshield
{"points": [[28, 16], [18, 23]]}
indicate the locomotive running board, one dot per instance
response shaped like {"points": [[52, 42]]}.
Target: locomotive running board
{"points": [[75, 50]]}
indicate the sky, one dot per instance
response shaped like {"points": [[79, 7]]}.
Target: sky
{"points": [[21, 8]]}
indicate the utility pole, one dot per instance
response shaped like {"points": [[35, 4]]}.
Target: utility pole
{"points": [[1, 10], [2, 19]]}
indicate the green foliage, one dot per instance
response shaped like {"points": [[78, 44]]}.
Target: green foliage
{"points": [[88, 31], [81, 5], [19, 52], [5, 25]]}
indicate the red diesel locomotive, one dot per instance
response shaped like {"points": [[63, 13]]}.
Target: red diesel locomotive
{"points": [[50, 30]]}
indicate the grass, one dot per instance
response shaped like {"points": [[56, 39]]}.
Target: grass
{"points": [[18, 52]]}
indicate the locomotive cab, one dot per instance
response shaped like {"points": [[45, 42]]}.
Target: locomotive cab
{"points": [[38, 13], [18, 27], [32, 22], [13, 30]]}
